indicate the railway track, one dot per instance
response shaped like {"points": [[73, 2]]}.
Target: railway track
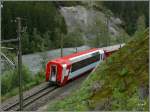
{"points": [[30, 99]]}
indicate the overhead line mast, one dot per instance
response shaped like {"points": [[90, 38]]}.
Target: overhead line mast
{"points": [[19, 52], [20, 63]]}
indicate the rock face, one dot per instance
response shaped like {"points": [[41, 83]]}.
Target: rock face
{"points": [[81, 17]]}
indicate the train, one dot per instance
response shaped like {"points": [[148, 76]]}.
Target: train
{"points": [[61, 70]]}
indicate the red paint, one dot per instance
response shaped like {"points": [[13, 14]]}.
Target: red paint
{"points": [[108, 53]]}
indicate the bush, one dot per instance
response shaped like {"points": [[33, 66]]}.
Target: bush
{"points": [[124, 72], [39, 77], [10, 79]]}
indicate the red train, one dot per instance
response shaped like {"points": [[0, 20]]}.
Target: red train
{"points": [[61, 70]]}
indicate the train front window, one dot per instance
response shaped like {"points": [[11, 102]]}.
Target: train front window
{"points": [[53, 72]]}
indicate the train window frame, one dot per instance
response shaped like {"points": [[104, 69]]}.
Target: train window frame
{"points": [[85, 62]]}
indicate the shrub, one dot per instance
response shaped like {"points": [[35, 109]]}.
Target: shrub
{"points": [[124, 72], [10, 79], [39, 77]]}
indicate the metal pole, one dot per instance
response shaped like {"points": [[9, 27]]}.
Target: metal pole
{"points": [[61, 45], [20, 63]]}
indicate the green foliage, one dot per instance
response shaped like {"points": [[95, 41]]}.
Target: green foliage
{"points": [[129, 11], [37, 41], [67, 3], [122, 101], [123, 37], [41, 21], [119, 100], [25, 42], [73, 39], [140, 26], [124, 72], [6, 82], [48, 43], [141, 23], [10, 79], [100, 30], [133, 103], [44, 60], [40, 77], [73, 101]]}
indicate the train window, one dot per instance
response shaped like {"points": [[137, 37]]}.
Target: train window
{"points": [[85, 62]]}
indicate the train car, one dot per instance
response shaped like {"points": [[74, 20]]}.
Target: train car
{"points": [[108, 53], [61, 70]]}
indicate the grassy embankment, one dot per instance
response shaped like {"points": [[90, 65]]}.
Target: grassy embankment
{"points": [[119, 83], [9, 82]]}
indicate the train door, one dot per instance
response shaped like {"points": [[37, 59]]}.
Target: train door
{"points": [[53, 73]]}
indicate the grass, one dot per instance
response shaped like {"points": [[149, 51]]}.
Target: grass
{"points": [[117, 82], [9, 82]]}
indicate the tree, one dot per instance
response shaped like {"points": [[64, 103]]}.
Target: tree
{"points": [[129, 11], [100, 31], [141, 23], [140, 26], [37, 42], [25, 42], [73, 39], [44, 59], [48, 43]]}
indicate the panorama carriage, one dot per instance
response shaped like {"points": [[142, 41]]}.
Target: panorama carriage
{"points": [[63, 69]]}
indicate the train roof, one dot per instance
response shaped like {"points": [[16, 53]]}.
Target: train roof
{"points": [[66, 58]]}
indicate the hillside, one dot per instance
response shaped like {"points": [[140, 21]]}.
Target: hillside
{"points": [[119, 83]]}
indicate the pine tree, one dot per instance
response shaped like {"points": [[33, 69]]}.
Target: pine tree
{"points": [[25, 42], [141, 23], [140, 26]]}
